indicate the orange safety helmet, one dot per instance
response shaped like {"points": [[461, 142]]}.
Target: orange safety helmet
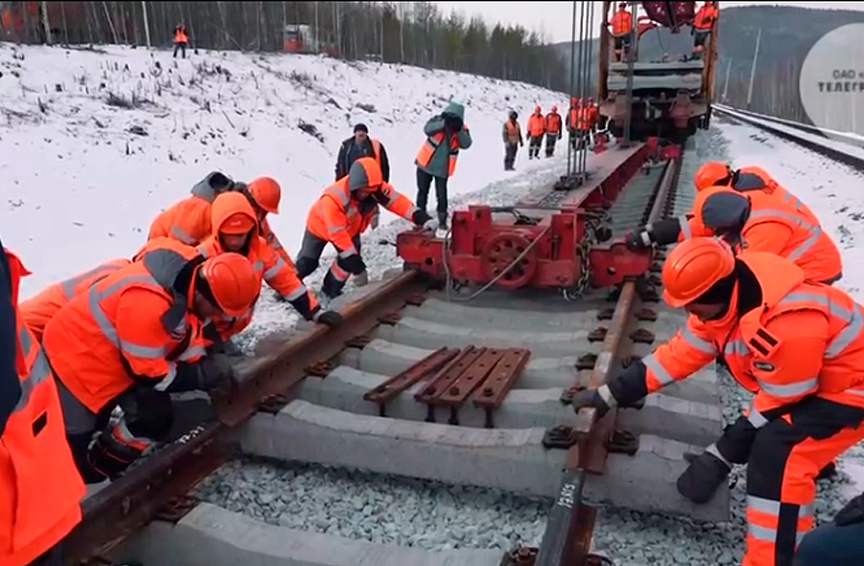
{"points": [[266, 193], [537, 109], [712, 173], [693, 267], [233, 282]]}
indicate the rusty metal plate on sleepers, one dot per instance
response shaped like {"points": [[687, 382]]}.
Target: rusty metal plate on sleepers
{"points": [[448, 374], [391, 388], [501, 379], [472, 378]]}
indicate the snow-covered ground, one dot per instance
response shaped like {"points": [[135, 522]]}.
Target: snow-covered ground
{"points": [[94, 143]]}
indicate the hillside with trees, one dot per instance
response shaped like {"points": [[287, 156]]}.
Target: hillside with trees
{"points": [[788, 33], [414, 33]]}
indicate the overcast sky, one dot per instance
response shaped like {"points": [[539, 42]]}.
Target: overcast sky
{"points": [[554, 18]]}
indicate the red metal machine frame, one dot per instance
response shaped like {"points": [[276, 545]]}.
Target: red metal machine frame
{"points": [[545, 250]]}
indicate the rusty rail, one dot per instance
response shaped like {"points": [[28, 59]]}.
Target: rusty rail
{"points": [[129, 503], [567, 539]]}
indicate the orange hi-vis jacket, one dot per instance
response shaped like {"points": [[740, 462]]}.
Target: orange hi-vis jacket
{"points": [[777, 227], [424, 156], [40, 487], [705, 16], [180, 35], [536, 125], [622, 23], [39, 309], [805, 339], [130, 326], [553, 123], [512, 132], [200, 338], [188, 220], [337, 218], [753, 178], [270, 237], [268, 265]]}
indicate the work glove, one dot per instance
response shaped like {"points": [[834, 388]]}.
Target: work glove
{"points": [[361, 279], [227, 347], [420, 218], [705, 474], [588, 398], [852, 513], [636, 241], [328, 318], [353, 264], [216, 372]]}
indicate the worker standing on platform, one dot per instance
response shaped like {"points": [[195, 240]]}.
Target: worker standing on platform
{"points": [[120, 344], [553, 130], [622, 31], [573, 121], [798, 346], [703, 23], [341, 214], [362, 145], [181, 40], [512, 136], [189, 220], [536, 130], [41, 488], [446, 135]]}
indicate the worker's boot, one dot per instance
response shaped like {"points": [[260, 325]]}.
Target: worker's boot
{"points": [[442, 221], [828, 472], [330, 289]]}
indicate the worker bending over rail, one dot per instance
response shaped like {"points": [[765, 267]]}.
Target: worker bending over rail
{"points": [[343, 211], [752, 214], [123, 343], [798, 346], [41, 489]]}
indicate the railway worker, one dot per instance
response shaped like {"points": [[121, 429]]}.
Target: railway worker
{"points": [[703, 23], [362, 145], [838, 542], [573, 120], [189, 220], [237, 231], [758, 222], [341, 214], [446, 134], [553, 130], [40, 308], [512, 136], [40, 499], [536, 130], [120, 343], [181, 40], [621, 26], [797, 345]]}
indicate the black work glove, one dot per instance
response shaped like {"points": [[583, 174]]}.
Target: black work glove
{"points": [[590, 398], [217, 372], [227, 347], [636, 241], [420, 217], [453, 123], [737, 440], [328, 318], [700, 481], [353, 264], [852, 513]]}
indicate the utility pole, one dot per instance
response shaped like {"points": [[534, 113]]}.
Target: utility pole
{"points": [[146, 24], [753, 69], [725, 95]]}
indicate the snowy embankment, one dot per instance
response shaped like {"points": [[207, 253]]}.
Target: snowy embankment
{"points": [[96, 142]]}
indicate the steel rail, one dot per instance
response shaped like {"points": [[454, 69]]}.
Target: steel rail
{"points": [[567, 539], [129, 503]]}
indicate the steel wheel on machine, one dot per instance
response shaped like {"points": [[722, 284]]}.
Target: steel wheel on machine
{"points": [[501, 252]]}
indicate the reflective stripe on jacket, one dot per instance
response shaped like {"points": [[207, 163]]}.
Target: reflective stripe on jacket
{"points": [[129, 326], [39, 309]]}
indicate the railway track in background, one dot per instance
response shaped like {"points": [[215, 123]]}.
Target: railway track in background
{"points": [[770, 125], [420, 382]]}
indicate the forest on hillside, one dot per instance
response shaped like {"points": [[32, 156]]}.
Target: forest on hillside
{"points": [[414, 33]]}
